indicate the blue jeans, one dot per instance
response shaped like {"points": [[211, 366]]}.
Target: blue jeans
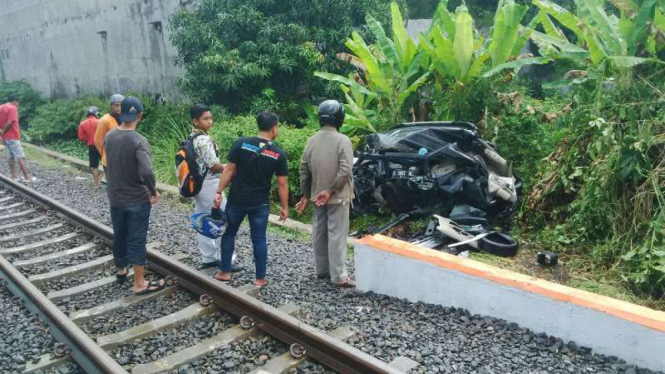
{"points": [[258, 224], [130, 232]]}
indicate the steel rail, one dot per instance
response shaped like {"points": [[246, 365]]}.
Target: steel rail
{"points": [[319, 346], [90, 356]]}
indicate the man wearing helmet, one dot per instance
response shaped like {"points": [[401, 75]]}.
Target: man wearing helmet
{"points": [[106, 124], [86, 134], [326, 179]]}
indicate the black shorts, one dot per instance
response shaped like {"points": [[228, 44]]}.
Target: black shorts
{"points": [[93, 156]]}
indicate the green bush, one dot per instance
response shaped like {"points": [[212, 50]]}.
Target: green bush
{"points": [[29, 99], [225, 132], [71, 148], [602, 188], [60, 119]]}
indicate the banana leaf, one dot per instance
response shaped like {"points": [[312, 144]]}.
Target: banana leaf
{"points": [[641, 24], [476, 68], [626, 27], [344, 80], [525, 34], [386, 45], [517, 64], [629, 61], [562, 15], [406, 48], [506, 32], [441, 55], [374, 73], [596, 52], [463, 43], [442, 20], [568, 49], [603, 31], [412, 88], [550, 28], [415, 66], [659, 20]]}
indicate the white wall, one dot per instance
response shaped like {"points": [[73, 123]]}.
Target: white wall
{"points": [[400, 276], [59, 48]]}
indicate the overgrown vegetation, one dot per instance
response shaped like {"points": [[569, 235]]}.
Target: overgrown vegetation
{"points": [[585, 128]]}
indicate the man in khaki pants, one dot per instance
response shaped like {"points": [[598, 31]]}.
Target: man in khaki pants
{"points": [[326, 179]]}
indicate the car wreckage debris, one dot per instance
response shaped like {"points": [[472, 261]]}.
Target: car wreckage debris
{"points": [[439, 169]]}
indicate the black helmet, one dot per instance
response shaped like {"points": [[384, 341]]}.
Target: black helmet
{"points": [[331, 112], [93, 111]]}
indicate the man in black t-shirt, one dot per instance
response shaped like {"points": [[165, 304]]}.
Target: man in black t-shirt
{"points": [[251, 164]]}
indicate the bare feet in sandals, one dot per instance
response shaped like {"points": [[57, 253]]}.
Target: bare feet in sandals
{"points": [[222, 276], [148, 287], [261, 282], [348, 283]]}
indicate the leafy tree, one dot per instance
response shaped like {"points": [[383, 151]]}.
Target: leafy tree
{"points": [[242, 53]]}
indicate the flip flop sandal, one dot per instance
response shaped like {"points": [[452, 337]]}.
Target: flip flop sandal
{"points": [[122, 277], [256, 285], [221, 280], [153, 286]]}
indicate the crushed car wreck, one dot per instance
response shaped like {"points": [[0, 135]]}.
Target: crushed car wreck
{"points": [[426, 168]]}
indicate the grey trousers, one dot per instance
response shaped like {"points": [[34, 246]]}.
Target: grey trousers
{"points": [[331, 229]]}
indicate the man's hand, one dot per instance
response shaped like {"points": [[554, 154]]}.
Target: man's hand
{"points": [[154, 199], [322, 198], [283, 214], [218, 200], [302, 205]]}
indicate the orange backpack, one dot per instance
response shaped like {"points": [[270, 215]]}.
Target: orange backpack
{"points": [[190, 179]]}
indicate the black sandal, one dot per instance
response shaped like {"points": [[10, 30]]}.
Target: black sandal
{"points": [[153, 286], [122, 277]]}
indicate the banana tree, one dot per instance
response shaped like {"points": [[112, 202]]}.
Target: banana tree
{"points": [[459, 56], [392, 71], [604, 40]]}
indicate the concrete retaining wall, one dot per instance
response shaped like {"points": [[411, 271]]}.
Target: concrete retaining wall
{"points": [[608, 326], [67, 48]]}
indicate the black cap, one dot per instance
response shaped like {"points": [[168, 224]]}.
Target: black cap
{"points": [[130, 108]]}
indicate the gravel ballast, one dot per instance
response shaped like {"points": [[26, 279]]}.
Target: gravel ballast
{"points": [[22, 335], [442, 340]]}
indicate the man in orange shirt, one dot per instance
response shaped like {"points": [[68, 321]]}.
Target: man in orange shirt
{"points": [[11, 133], [106, 124], [86, 134]]}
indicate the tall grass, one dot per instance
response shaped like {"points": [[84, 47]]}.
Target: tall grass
{"points": [[164, 144]]}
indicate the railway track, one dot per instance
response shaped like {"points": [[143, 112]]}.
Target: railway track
{"points": [[53, 259]]}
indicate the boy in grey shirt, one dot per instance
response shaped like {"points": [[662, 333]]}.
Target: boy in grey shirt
{"points": [[131, 192]]}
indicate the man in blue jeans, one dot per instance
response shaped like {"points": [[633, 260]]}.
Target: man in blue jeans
{"points": [[251, 163], [131, 190]]}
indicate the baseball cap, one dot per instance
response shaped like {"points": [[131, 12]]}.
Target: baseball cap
{"points": [[130, 108], [117, 98]]}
